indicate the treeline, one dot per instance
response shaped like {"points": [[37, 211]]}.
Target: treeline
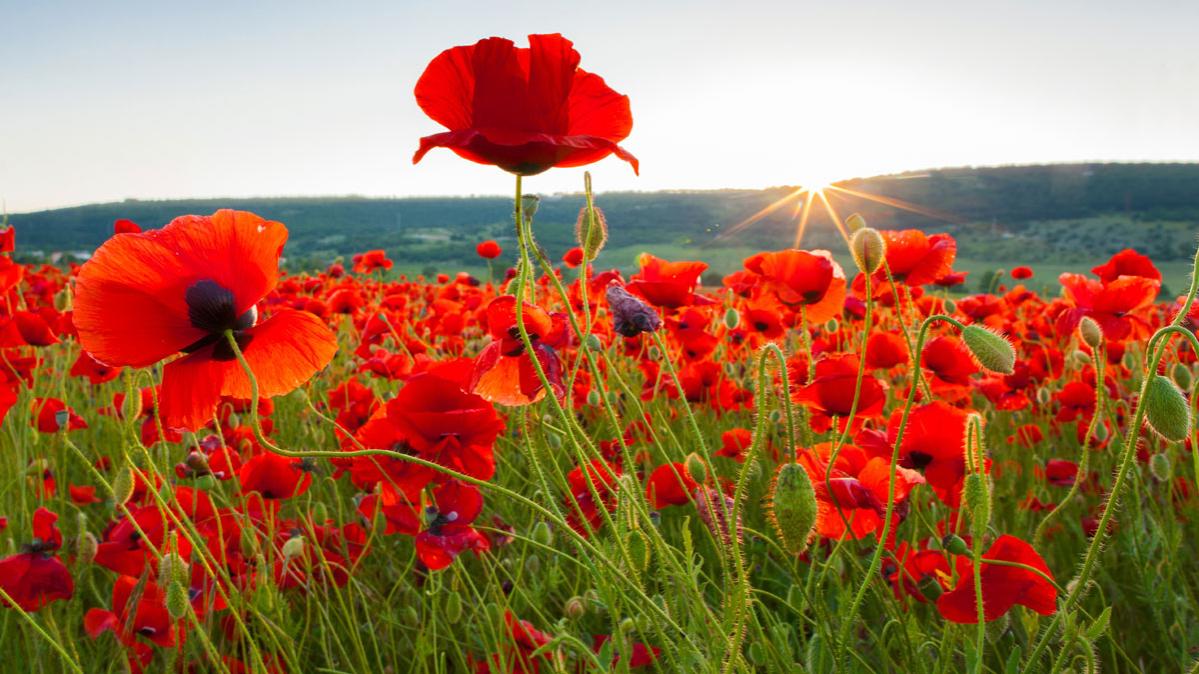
{"points": [[1065, 212]]}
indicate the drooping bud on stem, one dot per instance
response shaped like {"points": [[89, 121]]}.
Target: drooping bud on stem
{"points": [[1167, 409], [990, 349], [630, 315], [793, 507]]}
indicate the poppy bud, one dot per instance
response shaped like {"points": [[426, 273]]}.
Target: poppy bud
{"points": [[131, 407], [529, 204], [176, 601], [954, 544], [868, 249], [1044, 396], [639, 553], [950, 307], [977, 498], [543, 534], [832, 325], [453, 607], [855, 222], [696, 468], [793, 507], [294, 547], [591, 232], [1101, 432], [173, 570], [1079, 357], [630, 315], [929, 588], [1089, 332], [757, 654], [122, 486], [1160, 468], [1182, 376], [990, 349], [575, 608], [533, 565], [593, 397], [594, 343], [732, 318], [86, 547], [1167, 410], [205, 482]]}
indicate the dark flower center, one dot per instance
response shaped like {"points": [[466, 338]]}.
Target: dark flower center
{"points": [[211, 308]]}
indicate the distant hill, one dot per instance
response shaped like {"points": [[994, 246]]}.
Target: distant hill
{"points": [[1052, 213]]}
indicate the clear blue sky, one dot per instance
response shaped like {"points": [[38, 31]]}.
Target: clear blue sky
{"points": [[103, 101]]}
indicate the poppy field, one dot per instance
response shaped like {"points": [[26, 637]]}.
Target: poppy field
{"points": [[211, 465]]}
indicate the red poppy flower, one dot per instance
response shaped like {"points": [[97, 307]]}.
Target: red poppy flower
{"points": [[918, 259], [932, 442], [503, 372], [489, 250], [831, 393], [885, 350], [51, 415], [811, 279], [583, 510], [96, 372], [668, 284], [573, 257], [123, 226], [1127, 262], [1003, 586], [449, 532], [1021, 273], [145, 297], [915, 568], [1061, 472], [365, 263], [670, 484], [274, 476], [1116, 305], [734, 443], [524, 110], [856, 492], [949, 360], [148, 618], [35, 577]]}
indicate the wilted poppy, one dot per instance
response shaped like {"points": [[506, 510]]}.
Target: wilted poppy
{"points": [[524, 110]]}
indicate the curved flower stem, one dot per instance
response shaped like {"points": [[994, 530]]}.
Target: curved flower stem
{"points": [[1084, 461], [877, 558], [1128, 453]]}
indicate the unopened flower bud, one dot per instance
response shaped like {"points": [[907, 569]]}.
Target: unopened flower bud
{"points": [[176, 601], [293, 547], [1182, 376], [1160, 468], [1167, 409], [122, 486], [832, 325], [868, 249], [793, 507], [1089, 332], [86, 547], [543, 534], [732, 318], [991, 350], [594, 343], [591, 232], [173, 570], [575, 608], [954, 544]]}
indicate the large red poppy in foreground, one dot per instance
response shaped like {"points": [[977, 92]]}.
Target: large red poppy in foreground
{"points": [[523, 110], [144, 297]]}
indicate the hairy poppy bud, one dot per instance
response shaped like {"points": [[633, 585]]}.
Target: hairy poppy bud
{"points": [[954, 544], [855, 222], [732, 318], [594, 343], [1182, 376], [176, 601], [639, 553], [868, 249], [591, 232], [529, 204], [86, 547], [453, 607], [294, 547], [575, 608], [122, 486], [1167, 409], [793, 507], [832, 325], [696, 468], [131, 407], [1160, 468], [173, 570], [991, 350], [1044, 396], [543, 534], [630, 315], [1089, 332], [593, 397], [949, 306], [977, 498], [1079, 357]]}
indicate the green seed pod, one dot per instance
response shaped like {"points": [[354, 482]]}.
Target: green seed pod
{"points": [[205, 482], [1101, 431], [949, 306], [793, 507], [543, 534], [869, 249], [593, 398], [991, 350], [1182, 376], [594, 343], [1160, 468], [832, 326], [529, 204], [122, 486], [732, 318], [1089, 332], [176, 601], [954, 544], [1167, 409], [930, 588], [696, 468], [453, 607]]}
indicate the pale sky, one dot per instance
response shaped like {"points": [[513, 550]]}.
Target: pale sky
{"points": [[100, 101]]}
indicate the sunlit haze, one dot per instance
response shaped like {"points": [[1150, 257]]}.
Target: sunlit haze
{"points": [[106, 101]]}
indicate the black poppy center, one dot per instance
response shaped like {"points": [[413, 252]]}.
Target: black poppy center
{"points": [[212, 309]]}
